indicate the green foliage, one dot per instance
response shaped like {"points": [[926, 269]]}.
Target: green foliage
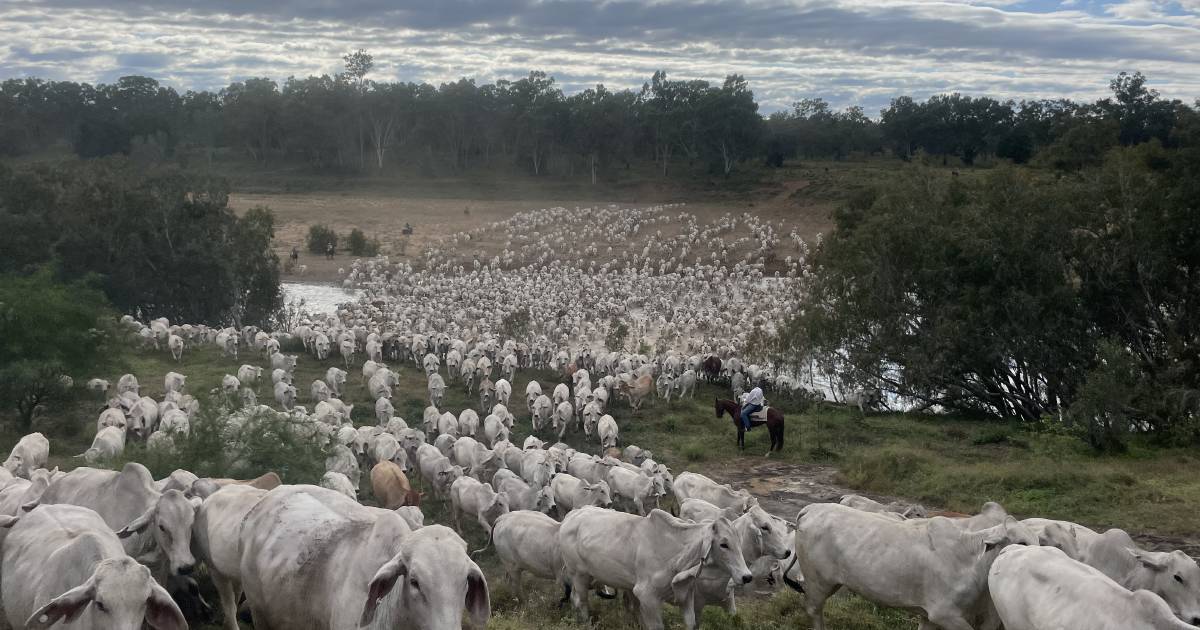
{"points": [[163, 241], [239, 445], [320, 237], [359, 245], [618, 332], [48, 331]]}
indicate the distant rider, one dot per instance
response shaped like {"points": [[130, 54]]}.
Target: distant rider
{"points": [[751, 403]]}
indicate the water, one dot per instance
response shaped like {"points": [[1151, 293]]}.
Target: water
{"points": [[319, 299]]}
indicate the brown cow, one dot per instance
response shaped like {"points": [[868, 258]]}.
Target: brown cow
{"points": [[267, 481], [391, 487], [636, 390]]}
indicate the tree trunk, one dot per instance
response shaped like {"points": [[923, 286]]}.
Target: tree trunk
{"points": [[593, 165]]}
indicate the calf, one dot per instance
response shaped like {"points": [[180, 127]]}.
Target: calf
{"points": [[572, 493]]}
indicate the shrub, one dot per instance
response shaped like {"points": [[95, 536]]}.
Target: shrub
{"points": [[238, 444], [885, 469], [320, 237], [617, 333], [359, 245]]}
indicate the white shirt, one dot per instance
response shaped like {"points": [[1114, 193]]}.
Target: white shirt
{"points": [[755, 397]]}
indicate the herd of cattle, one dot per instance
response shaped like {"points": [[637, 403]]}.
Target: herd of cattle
{"points": [[109, 549], [98, 548]]}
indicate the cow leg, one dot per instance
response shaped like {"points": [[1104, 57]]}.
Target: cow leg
{"points": [[228, 596], [580, 588], [945, 620], [815, 594], [730, 602], [651, 607]]}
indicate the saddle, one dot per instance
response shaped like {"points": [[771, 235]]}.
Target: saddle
{"points": [[760, 415]]}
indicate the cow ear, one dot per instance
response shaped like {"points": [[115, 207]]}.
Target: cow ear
{"points": [[994, 537], [8, 521], [139, 524], [161, 611], [66, 607], [478, 601], [1150, 560], [382, 584]]}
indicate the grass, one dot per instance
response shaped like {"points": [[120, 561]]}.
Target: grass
{"points": [[945, 462]]}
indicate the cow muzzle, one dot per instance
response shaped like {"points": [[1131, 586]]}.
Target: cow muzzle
{"points": [[747, 578]]}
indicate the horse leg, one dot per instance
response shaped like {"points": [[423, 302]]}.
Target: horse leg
{"points": [[741, 438]]}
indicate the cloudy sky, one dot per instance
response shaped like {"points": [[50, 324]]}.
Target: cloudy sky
{"points": [[846, 51]]}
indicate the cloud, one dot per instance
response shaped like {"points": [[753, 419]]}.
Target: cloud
{"points": [[849, 51]]}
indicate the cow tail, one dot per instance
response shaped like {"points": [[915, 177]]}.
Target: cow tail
{"points": [[491, 536], [796, 586]]}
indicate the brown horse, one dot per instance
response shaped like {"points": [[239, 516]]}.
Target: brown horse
{"points": [[774, 423]]}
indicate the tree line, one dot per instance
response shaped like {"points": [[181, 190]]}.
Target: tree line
{"points": [[349, 123]]}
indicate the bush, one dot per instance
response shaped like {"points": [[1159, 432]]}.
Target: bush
{"points": [[237, 444], [320, 237], [48, 330], [617, 333], [515, 325], [359, 245]]}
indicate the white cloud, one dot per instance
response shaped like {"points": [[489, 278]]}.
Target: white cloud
{"points": [[848, 51]]}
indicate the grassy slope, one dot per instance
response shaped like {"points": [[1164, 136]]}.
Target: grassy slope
{"points": [[933, 460]]}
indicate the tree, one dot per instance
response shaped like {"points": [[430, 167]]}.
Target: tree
{"points": [[163, 242], [252, 114], [48, 330], [731, 124], [953, 294], [321, 238]]}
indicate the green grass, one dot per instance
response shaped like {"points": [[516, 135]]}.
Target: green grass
{"points": [[945, 462]]}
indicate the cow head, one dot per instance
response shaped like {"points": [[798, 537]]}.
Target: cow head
{"points": [[1060, 537], [169, 521], [770, 534], [545, 499], [119, 594], [1173, 576], [599, 495], [435, 579]]}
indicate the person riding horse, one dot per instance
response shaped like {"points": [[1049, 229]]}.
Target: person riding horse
{"points": [[751, 403]]}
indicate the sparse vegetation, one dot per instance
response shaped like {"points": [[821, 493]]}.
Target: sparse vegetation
{"points": [[320, 238]]}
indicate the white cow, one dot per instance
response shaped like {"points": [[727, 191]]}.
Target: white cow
{"points": [[521, 495], [312, 558], [689, 485], [494, 430], [543, 409], [572, 493], [334, 379], [249, 375], [532, 391], [476, 459], [437, 389], [633, 487], [215, 542], [607, 431], [152, 524], [929, 565], [64, 563], [1040, 588], [472, 498], [527, 541], [763, 539], [870, 505], [29, 454], [342, 460], [285, 395], [340, 483], [108, 444], [658, 557], [174, 382], [1172, 575]]}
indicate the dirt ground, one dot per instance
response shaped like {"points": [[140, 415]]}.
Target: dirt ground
{"points": [[382, 215], [784, 488]]}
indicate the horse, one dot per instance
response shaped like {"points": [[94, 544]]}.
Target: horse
{"points": [[774, 423]]}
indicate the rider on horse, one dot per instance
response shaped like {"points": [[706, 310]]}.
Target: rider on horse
{"points": [[751, 403]]}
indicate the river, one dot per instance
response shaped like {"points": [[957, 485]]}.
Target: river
{"points": [[318, 299]]}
